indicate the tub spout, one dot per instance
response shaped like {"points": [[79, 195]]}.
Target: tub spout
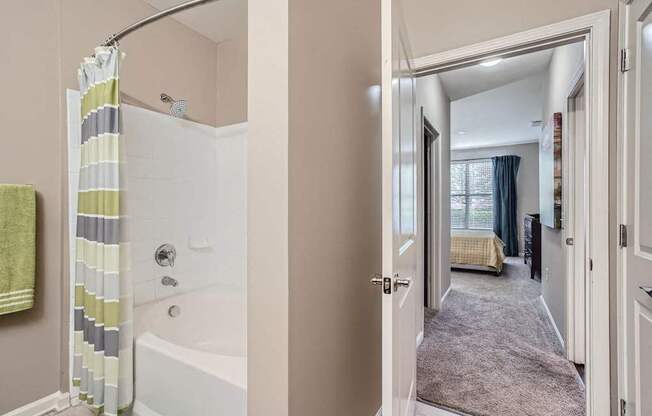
{"points": [[169, 281]]}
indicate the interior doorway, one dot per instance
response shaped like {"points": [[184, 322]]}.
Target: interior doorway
{"points": [[560, 284], [398, 79], [431, 201]]}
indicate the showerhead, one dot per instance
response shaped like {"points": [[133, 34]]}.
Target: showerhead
{"points": [[178, 108]]}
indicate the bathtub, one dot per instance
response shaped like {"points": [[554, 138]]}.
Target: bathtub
{"points": [[194, 364]]}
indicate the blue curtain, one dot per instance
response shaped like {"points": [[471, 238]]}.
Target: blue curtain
{"points": [[505, 169]]}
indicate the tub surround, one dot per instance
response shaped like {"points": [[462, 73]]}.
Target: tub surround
{"points": [[201, 354], [186, 186]]}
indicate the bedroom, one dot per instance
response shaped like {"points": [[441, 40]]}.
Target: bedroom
{"points": [[503, 271]]}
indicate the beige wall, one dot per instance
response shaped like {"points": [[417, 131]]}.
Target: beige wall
{"points": [[31, 152], [164, 57], [267, 209], [231, 103], [436, 26], [46, 40], [334, 207], [436, 108], [313, 209]]}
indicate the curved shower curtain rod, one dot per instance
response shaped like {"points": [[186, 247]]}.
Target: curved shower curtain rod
{"points": [[115, 38]]}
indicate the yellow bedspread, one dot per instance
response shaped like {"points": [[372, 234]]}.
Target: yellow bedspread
{"points": [[477, 248]]}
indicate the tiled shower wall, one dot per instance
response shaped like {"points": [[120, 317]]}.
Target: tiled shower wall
{"points": [[185, 185]]}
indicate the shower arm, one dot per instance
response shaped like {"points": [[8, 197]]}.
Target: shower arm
{"points": [[115, 38]]}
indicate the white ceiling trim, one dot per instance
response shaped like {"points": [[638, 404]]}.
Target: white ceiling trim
{"points": [[488, 145]]}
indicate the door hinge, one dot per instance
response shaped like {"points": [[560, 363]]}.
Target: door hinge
{"points": [[622, 235], [625, 64], [590, 264], [623, 407]]}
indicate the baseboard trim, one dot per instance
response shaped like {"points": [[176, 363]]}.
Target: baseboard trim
{"points": [[552, 321], [54, 402], [445, 294]]}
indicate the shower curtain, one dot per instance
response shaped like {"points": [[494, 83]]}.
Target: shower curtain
{"points": [[103, 330]]}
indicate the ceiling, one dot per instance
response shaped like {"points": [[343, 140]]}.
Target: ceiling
{"points": [[218, 21], [501, 116], [472, 80]]}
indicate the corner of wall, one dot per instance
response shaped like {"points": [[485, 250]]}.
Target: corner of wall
{"points": [[267, 208]]}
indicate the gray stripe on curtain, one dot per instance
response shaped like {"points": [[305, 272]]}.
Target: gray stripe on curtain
{"points": [[505, 170], [104, 120]]}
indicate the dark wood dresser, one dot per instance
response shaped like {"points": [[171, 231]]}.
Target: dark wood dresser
{"points": [[532, 244]]}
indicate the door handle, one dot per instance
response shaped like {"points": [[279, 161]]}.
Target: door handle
{"points": [[400, 283], [570, 241], [647, 290], [377, 279]]}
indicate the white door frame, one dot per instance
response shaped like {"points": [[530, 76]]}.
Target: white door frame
{"points": [[434, 280], [594, 28], [572, 223]]}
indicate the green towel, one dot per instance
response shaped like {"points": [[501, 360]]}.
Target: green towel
{"points": [[17, 247]]}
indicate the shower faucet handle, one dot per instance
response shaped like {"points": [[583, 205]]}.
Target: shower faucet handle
{"points": [[165, 255]]}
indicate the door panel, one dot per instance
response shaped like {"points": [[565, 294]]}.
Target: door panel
{"points": [[643, 347], [574, 222], [637, 256], [399, 204]]}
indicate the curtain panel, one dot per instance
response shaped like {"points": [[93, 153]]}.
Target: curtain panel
{"points": [[103, 308], [505, 170]]}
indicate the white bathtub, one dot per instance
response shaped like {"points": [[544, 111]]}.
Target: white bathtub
{"points": [[194, 364]]}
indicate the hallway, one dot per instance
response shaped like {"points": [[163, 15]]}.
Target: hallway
{"points": [[491, 350]]}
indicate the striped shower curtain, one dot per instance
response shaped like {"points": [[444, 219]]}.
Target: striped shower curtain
{"points": [[103, 335]]}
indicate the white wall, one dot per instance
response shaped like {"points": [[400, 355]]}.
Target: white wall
{"points": [[565, 62], [527, 181], [500, 116], [436, 108], [185, 186]]}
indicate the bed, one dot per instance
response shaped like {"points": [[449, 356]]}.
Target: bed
{"points": [[477, 250]]}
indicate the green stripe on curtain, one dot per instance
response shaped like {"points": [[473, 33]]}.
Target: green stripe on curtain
{"points": [[105, 93], [103, 307], [105, 203]]}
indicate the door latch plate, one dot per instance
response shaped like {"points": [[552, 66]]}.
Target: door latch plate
{"points": [[387, 285]]}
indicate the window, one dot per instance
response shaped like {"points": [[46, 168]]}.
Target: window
{"points": [[472, 194]]}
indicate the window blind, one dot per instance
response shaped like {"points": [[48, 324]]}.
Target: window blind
{"points": [[472, 194]]}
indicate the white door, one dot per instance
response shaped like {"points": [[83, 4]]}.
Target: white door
{"points": [[636, 341], [574, 231], [399, 207]]}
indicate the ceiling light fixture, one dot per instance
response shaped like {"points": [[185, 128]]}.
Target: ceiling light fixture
{"points": [[461, 132], [493, 62]]}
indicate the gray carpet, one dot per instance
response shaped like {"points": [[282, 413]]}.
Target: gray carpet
{"points": [[491, 350]]}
